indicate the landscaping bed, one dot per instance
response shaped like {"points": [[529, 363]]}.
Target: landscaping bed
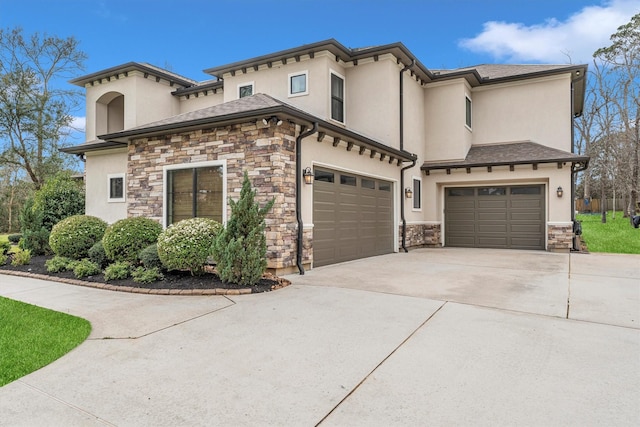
{"points": [[173, 280]]}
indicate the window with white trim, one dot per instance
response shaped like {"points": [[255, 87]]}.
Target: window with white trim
{"points": [[245, 89], [195, 190], [115, 188], [468, 111], [298, 83], [417, 194], [337, 97]]}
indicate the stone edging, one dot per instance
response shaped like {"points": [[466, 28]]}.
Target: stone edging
{"points": [[214, 291]]}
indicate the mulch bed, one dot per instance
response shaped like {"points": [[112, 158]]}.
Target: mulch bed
{"points": [[181, 282]]}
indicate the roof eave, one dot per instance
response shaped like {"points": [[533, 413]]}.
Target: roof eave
{"points": [[443, 166], [124, 68]]}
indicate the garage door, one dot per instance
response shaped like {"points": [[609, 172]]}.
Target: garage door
{"points": [[352, 217], [495, 217]]}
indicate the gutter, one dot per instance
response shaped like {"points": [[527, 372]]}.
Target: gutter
{"points": [[299, 139], [413, 163]]}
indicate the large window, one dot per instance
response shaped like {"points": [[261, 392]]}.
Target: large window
{"points": [[337, 98], [115, 187], [245, 89], [195, 192], [468, 112]]}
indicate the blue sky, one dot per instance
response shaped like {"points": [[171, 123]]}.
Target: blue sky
{"points": [[191, 35]]}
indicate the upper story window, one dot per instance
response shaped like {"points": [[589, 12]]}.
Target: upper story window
{"points": [[337, 97], [115, 187], [468, 111], [298, 84], [245, 89]]}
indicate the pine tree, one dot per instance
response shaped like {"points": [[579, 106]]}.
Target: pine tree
{"points": [[240, 249]]}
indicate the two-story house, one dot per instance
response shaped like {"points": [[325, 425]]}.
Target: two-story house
{"points": [[366, 151]]}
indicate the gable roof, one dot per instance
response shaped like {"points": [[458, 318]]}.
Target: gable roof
{"points": [[508, 154], [249, 108]]}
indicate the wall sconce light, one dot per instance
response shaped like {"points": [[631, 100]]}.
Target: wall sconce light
{"points": [[408, 193], [559, 192], [273, 119], [307, 175]]}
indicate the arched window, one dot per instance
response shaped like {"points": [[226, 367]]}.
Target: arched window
{"points": [[110, 113]]}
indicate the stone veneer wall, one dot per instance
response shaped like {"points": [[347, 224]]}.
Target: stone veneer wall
{"points": [[266, 153], [420, 235], [560, 238]]}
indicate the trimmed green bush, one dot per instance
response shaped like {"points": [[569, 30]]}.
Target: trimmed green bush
{"points": [[240, 249], [149, 256], [74, 236], [4, 247], [85, 268], [58, 264], [124, 239], [186, 245], [117, 271], [146, 275], [14, 238], [3, 259], [98, 255], [21, 257]]}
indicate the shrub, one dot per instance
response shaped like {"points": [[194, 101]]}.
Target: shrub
{"points": [[15, 238], [98, 255], [58, 264], [117, 271], [35, 237], [147, 275], [59, 198], [186, 245], [74, 236], [240, 248], [85, 268], [4, 247], [149, 256], [124, 239], [21, 257], [3, 259]]}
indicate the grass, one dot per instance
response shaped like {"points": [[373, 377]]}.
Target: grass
{"points": [[32, 337], [616, 236]]}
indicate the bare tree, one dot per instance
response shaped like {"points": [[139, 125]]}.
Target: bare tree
{"points": [[35, 111], [623, 55]]}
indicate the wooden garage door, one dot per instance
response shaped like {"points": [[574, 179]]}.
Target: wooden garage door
{"points": [[352, 217], [495, 217]]}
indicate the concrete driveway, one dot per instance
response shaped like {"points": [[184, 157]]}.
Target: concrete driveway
{"points": [[432, 337]]}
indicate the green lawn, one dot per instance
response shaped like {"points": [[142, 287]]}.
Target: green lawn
{"points": [[32, 337], [616, 236]]}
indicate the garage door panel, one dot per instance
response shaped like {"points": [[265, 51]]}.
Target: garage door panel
{"points": [[353, 218], [512, 217]]}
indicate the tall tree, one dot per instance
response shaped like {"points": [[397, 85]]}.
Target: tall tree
{"points": [[35, 110], [623, 55]]}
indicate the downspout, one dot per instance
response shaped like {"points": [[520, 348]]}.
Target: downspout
{"points": [[574, 172], [299, 139], [404, 221]]}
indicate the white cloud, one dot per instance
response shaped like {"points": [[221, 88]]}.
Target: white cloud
{"points": [[78, 124], [554, 41]]}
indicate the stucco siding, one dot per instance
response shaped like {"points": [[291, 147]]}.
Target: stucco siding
{"points": [[535, 110], [445, 130], [99, 165]]}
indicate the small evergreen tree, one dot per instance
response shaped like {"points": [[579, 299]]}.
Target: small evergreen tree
{"points": [[35, 236], [240, 249]]}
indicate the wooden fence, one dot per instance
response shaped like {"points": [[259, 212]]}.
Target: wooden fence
{"points": [[593, 205]]}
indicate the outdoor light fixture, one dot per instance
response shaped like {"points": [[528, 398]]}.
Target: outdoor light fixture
{"points": [[408, 193], [273, 119], [559, 191], [308, 176]]}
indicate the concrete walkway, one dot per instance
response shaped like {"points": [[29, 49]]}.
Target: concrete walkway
{"points": [[432, 337]]}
